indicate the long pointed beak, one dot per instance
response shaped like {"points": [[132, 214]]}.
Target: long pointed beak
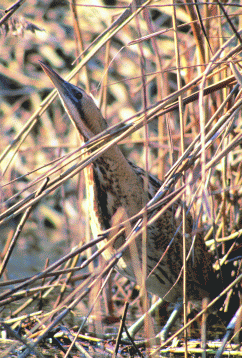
{"points": [[72, 104], [57, 81]]}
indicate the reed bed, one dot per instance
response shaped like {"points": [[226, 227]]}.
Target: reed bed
{"points": [[167, 77]]}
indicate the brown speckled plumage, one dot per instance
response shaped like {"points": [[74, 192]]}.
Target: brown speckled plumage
{"points": [[116, 183]]}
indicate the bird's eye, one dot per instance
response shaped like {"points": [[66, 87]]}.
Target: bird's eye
{"points": [[78, 95]]}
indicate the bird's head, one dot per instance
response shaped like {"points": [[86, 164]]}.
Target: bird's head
{"points": [[80, 107]]}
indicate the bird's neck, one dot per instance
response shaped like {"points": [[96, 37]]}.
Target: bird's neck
{"points": [[113, 184]]}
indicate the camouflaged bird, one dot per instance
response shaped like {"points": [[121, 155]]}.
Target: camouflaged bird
{"points": [[116, 183]]}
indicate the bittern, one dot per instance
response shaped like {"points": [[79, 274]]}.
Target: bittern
{"points": [[117, 183]]}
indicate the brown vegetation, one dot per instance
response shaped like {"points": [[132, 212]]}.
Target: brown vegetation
{"points": [[168, 81]]}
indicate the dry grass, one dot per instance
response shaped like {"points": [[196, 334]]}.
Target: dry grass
{"points": [[173, 102]]}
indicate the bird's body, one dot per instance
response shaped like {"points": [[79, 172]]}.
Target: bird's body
{"points": [[116, 183], [162, 282]]}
